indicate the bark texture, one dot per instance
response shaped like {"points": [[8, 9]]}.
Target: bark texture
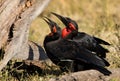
{"points": [[89, 75], [15, 19]]}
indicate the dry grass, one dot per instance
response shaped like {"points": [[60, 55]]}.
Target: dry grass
{"points": [[100, 18]]}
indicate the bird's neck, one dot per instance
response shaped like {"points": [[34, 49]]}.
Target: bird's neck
{"points": [[54, 37]]}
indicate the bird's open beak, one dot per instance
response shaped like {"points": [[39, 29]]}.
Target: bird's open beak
{"points": [[49, 22], [63, 19]]}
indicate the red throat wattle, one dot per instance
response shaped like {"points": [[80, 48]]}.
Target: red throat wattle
{"points": [[65, 32]]}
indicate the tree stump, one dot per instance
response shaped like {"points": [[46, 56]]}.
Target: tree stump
{"points": [[15, 19]]}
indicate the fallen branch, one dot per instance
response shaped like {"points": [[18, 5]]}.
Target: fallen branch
{"points": [[89, 75]]}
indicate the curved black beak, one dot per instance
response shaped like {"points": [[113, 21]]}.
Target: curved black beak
{"points": [[49, 22], [63, 19]]}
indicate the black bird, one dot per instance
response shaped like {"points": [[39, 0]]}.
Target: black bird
{"points": [[64, 64], [89, 42], [59, 49]]}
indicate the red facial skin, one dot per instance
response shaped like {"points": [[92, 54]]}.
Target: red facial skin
{"points": [[54, 29], [65, 32]]}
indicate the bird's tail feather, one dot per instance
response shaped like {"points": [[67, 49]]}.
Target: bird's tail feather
{"points": [[103, 70], [101, 51], [106, 62], [100, 41]]}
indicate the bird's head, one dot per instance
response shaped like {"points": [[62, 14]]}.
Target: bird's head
{"points": [[70, 24], [52, 25]]}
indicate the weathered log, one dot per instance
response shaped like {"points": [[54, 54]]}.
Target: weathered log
{"points": [[89, 75], [15, 19], [33, 51]]}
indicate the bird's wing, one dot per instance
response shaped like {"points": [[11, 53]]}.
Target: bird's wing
{"points": [[66, 49], [100, 41], [91, 43]]}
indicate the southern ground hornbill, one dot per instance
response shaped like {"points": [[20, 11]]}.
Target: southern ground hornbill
{"points": [[64, 64], [59, 49], [89, 42]]}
